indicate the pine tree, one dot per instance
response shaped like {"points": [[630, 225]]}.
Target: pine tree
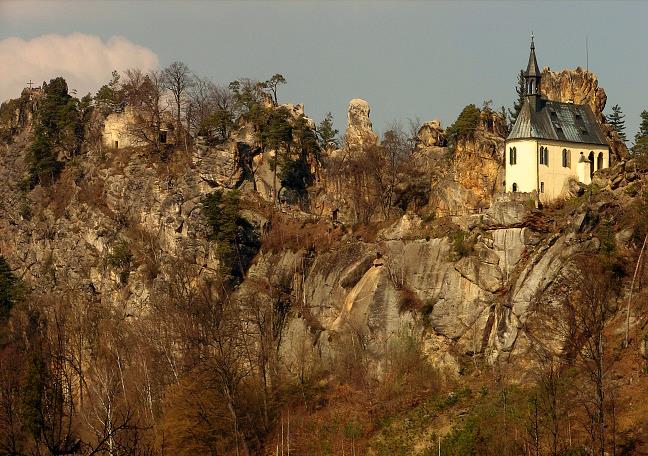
{"points": [[517, 105], [58, 127], [641, 138], [617, 120], [327, 133], [8, 288]]}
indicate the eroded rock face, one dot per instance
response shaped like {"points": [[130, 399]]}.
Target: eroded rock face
{"points": [[359, 130], [577, 86], [218, 166], [476, 304], [477, 169], [581, 87], [431, 134]]}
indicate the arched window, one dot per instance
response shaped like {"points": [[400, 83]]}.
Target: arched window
{"points": [[566, 158], [599, 161], [514, 187], [512, 156], [544, 156], [590, 158]]}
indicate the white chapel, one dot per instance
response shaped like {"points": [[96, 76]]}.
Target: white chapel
{"points": [[552, 142]]}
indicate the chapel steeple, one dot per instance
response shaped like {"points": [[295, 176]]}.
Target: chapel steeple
{"points": [[532, 77]]}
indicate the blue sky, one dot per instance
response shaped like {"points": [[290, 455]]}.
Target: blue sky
{"points": [[407, 59]]}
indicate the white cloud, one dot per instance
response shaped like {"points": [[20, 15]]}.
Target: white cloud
{"points": [[85, 61]]}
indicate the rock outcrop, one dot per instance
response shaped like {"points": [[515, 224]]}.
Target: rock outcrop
{"points": [[476, 170], [577, 86], [581, 87], [18, 113], [430, 135], [359, 130]]}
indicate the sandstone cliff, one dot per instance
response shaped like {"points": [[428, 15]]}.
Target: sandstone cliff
{"points": [[475, 300], [463, 267]]}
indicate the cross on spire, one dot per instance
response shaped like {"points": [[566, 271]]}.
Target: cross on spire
{"points": [[30, 83]]}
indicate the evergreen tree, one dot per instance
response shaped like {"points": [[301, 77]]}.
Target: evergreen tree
{"points": [[617, 120], [507, 125], [248, 101], [517, 105], [221, 209], [272, 84], [8, 288], [110, 97], [296, 172], [276, 134], [465, 126], [326, 133], [58, 127], [641, 138]]}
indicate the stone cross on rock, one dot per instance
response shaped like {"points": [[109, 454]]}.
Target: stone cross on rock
{"points": [[30, 83]]}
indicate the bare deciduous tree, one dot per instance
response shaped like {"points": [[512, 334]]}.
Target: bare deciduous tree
{"points": [[178, 79], [144, 93]]}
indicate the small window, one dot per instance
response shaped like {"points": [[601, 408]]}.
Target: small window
{"points": [[553, 115], [542, 156], [566, 158], [163, 137], [116, 144], [541, 187], [514, 187], [599, 161]]}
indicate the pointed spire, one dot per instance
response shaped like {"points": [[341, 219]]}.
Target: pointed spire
{"points": [[532, 78], [532, 66]]}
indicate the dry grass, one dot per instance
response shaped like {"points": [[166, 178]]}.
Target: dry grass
{"points": [[287, 233], [57, 196], [367, 232], [409, 301]]}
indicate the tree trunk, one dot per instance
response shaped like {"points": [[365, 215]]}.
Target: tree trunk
{"points": [[634, 277]]}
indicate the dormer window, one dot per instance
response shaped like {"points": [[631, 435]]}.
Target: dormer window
{"points": [[553, 115]]}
